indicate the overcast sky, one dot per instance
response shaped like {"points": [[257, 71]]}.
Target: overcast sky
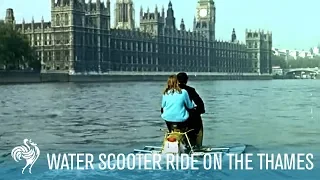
{"points": [[294, 24]]}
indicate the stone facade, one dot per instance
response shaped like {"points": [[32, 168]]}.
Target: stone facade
{"points": [[80, 39]]}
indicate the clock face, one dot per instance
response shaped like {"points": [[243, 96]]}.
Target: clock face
{"points": [[203, 12]]}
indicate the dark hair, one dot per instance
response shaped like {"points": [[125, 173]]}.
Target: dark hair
{"points": [[182, 77]]}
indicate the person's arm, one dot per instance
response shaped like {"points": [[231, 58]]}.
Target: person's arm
{"points": [[163, 103], [197, 100], [187, 100]]}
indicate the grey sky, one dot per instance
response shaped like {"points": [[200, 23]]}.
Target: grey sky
{"points": [[293, 23]]}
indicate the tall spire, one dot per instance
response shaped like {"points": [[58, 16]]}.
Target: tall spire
{"points": [[170, 19], [233, 36], [182, 25]]}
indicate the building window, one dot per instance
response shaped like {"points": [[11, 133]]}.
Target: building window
{"points": [[57, 20], [66, 19]]}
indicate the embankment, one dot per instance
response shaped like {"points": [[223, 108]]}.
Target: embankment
{"points": [[14, 77], [117, 77], [31, 77]]}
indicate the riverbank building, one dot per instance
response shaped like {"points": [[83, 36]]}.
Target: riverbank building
{"points": [[80, 39]]}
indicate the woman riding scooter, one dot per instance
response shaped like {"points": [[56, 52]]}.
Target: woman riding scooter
{"points": [[175, 104]]}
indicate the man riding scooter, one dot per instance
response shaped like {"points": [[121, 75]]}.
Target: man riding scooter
{"points": [[194, 121]]}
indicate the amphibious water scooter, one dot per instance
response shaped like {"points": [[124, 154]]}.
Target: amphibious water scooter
{"points": [[177, 142]]}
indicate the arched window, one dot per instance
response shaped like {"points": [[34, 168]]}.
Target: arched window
{"points": [[57, 20], [204, 25], [66, 19]]}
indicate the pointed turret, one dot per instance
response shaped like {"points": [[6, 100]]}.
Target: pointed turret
{"points": [[233, 36], [156, 13], [170, 19], [156, 9], [141, 11], [9, 16], [162, 12], [182, 25]]}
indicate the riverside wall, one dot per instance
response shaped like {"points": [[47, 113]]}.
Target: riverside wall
{"points": [[13, 77], [162, 76], [32, 77]]}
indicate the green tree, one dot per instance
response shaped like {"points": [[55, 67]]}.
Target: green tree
{"points": [[304, 62], [279, 61], [296, 63], [15, 51]]}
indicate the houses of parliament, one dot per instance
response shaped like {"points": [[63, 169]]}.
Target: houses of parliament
{"points": [[80, 38]]}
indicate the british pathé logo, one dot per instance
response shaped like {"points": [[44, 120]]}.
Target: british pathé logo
{"points": [[28, 151]]}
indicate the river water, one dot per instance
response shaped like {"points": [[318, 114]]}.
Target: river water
{"points": [[269, 116]]}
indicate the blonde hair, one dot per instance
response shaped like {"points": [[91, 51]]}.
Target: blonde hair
{"points": [[172, 84]]}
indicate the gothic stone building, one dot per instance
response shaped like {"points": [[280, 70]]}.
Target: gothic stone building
{"points": [[80, 39]]}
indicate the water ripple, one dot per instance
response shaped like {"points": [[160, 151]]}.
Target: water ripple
{"points": [[117, 117]]}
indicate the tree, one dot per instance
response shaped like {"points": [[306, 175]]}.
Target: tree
{"points": [[15, 51], [279, 61], [296, 63], [304, 62]]}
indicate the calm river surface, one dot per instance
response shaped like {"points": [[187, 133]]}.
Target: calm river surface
{"points": [[270, 116]]}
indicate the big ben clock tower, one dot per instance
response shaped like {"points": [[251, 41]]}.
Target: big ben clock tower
{"points": [[205, 19]]}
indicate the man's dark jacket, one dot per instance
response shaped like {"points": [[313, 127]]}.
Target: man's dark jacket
{"points": [[194, 96]]}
